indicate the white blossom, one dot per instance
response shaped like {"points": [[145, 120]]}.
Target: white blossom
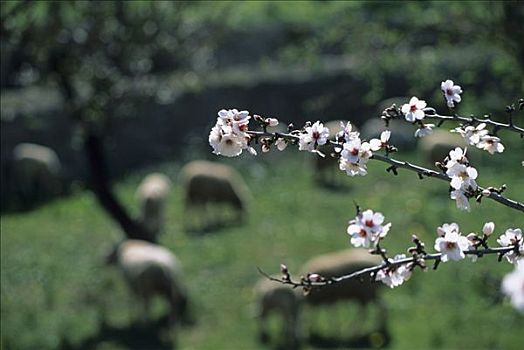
{"points": [[233, 115], [226, 142], [367, 229], [281, 144], [354, 157], [229, 135], [451, 92], [462, 177], [427, 129], [353, 169], [461, 200], [456, 156], [376, 144], [314, 136], [472, 134], [513, 286], [413, 110], [394, 276], [511, 237], [347, 132], [272, 121], [452, 246], [491, 144], [447, 228]]}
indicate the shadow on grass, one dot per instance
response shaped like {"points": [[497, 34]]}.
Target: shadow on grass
{"points": [[155, 335], [214, 227], [372, 340], [335, 186]]}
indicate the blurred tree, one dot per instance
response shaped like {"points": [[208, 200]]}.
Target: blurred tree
{"points": [[92, 50]]}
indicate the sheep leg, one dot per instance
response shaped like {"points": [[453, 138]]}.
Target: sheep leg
{"points": [[291, 331], [175, 312], [362, 318], [382, 315], [263, 335], [143, 315]]}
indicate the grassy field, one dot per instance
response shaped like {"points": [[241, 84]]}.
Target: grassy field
{"points": [[56, 292]]}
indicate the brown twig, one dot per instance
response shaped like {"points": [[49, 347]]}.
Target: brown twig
{"points": [[369, 270], [470, 120], [400, 164]]}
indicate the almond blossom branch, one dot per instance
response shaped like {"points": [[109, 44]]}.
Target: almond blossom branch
{"points": [[308, 283], [494, 195], [442, 176], [470, 120]]}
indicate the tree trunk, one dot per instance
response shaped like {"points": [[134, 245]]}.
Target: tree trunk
{"points": [[100, 184]]}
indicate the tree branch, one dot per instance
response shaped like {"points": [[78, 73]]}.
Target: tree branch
{"points": [[102, 189], [442, 176], [369, 270], [487, 121], [398, 164]]}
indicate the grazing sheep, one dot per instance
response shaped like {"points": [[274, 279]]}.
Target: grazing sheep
{"points": [[37, 173], [150, 270], [340, 263], [152, 194], [279, 299], [326, 168], [437, 145], [208, 183]]}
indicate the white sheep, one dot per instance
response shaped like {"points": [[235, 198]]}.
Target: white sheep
{"points": [[207, 183], [364, 292], [152, 270], [37, 173], [152, 194], [282, 300]]}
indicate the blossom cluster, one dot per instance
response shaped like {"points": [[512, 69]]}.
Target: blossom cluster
{"points": [[510, 238], [479, 137], [462, 176], [229, 136], [414, 113], [414, 110], [313, 136], [394, 275], [452, 244], [366, 229], [354, 155]]}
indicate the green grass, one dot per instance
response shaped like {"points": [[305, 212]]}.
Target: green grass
{"points": [[54, 286]]}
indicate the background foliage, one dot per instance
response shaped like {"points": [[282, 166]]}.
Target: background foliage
{"points": [[129, 60]]}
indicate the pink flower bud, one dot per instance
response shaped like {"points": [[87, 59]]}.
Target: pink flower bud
{"points": [[281, 144], [272, 121], [314, 277], [472, 237], [488, 228]]}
